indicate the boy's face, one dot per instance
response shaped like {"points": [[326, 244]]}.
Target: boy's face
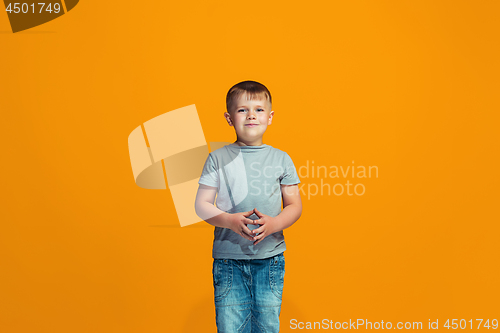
{"points": [[250, 119]]}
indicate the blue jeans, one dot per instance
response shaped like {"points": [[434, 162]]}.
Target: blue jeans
{"points": [[248, 294]]}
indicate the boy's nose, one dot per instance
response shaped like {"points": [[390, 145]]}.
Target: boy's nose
{"points": [[251, 115]]}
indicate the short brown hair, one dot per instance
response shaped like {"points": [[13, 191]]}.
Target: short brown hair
{"points": [[253, 89]]}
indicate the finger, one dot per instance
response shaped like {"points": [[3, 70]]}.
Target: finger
{"points": [[254, 222], [259, 236], [247, 231], [258, 240], [259, 214], [258, 231], [260, 222], [247, 235], [244, 235], [247, 214]]}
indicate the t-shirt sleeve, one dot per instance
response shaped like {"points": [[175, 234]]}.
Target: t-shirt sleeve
{"points": [[289, 176], [210, 174]]}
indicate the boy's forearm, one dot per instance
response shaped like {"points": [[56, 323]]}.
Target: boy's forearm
{"points": [[288, 216], [212, 215]]}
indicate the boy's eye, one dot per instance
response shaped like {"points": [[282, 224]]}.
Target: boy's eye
{"points": [[243, 110]]}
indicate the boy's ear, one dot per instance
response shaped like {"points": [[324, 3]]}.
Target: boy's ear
{"points": [[271, 114], [228, 118]]}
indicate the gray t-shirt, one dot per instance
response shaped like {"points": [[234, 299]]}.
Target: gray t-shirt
{"points": [[248, 177]]}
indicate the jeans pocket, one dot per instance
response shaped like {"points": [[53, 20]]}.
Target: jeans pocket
{"points": [[223, 278], [277, 274]]}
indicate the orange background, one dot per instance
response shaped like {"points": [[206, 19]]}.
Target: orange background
{"points": [[410, 87]]}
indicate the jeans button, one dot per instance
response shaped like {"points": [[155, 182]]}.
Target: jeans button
{"points": [[225, 260]]}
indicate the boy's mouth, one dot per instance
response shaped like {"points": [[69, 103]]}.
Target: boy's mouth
{"points": [[251, 125]]}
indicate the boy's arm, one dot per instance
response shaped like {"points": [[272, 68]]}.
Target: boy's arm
{"points": [[205, 209], [292, 209]]}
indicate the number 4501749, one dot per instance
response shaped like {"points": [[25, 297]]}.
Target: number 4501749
{"points": [[33, 8], [463, 324]]}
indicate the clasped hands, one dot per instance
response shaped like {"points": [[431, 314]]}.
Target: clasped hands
{"points": [[239, 222]]}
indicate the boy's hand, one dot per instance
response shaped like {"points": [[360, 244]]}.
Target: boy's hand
{"points": [[266, 227], [238, 223]]}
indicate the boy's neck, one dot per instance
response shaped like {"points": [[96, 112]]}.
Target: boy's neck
{"points": [[248, 143]]}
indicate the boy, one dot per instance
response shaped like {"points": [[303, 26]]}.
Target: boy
{"points": [[250, 179]]}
